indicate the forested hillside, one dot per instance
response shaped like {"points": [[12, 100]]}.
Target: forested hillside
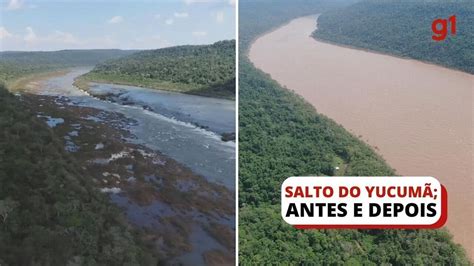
{"points": [[198, 69], [17, 64], [280, 135], [51, 213], [403, 28]]}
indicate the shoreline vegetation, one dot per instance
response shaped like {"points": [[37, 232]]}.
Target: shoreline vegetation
{"points": [[405, 57], [84, 85], [204, 70], [402, 29], [47, 201], [19, 68], [14, 65], [394, 29], [83, 81], [53, 197], [282, 135]]}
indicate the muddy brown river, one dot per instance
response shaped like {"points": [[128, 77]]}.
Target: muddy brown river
{"points": [[418, 116]]}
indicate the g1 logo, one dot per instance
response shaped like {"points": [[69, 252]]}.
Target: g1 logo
{"points": [[440, 33]]}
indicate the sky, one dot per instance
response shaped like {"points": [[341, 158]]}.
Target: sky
{"points": [[48, 25]]}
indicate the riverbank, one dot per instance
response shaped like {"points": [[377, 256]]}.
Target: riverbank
{"points": [[176, 209], [191, 109], [401, 107], [31, 81], [410, 22], [83, 81]]}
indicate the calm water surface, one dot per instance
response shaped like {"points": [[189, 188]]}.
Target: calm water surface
{"points": [[420, 116]]}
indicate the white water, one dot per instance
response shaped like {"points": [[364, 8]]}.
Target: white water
{"points": [[201, 150]]}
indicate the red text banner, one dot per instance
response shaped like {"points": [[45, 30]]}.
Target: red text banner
{"points": [[364, 202]]}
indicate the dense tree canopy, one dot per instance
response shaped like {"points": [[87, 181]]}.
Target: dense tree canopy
{"points": [[16, 64], [280, 135], [403, 28], [50, 212], [199, 69]]}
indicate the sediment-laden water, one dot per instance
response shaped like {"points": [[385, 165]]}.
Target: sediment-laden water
{"points": [[419, 116]]}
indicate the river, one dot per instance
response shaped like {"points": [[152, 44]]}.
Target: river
{"points": [[168, 123], [159, 155], [418, 115]]}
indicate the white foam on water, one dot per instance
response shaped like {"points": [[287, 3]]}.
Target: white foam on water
{"points": [[113, 190]]}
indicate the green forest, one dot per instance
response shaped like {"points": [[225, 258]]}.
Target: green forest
{"points": [[51, 213], [207, 70], [403, 28], [280, 135], [14, 65]]}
